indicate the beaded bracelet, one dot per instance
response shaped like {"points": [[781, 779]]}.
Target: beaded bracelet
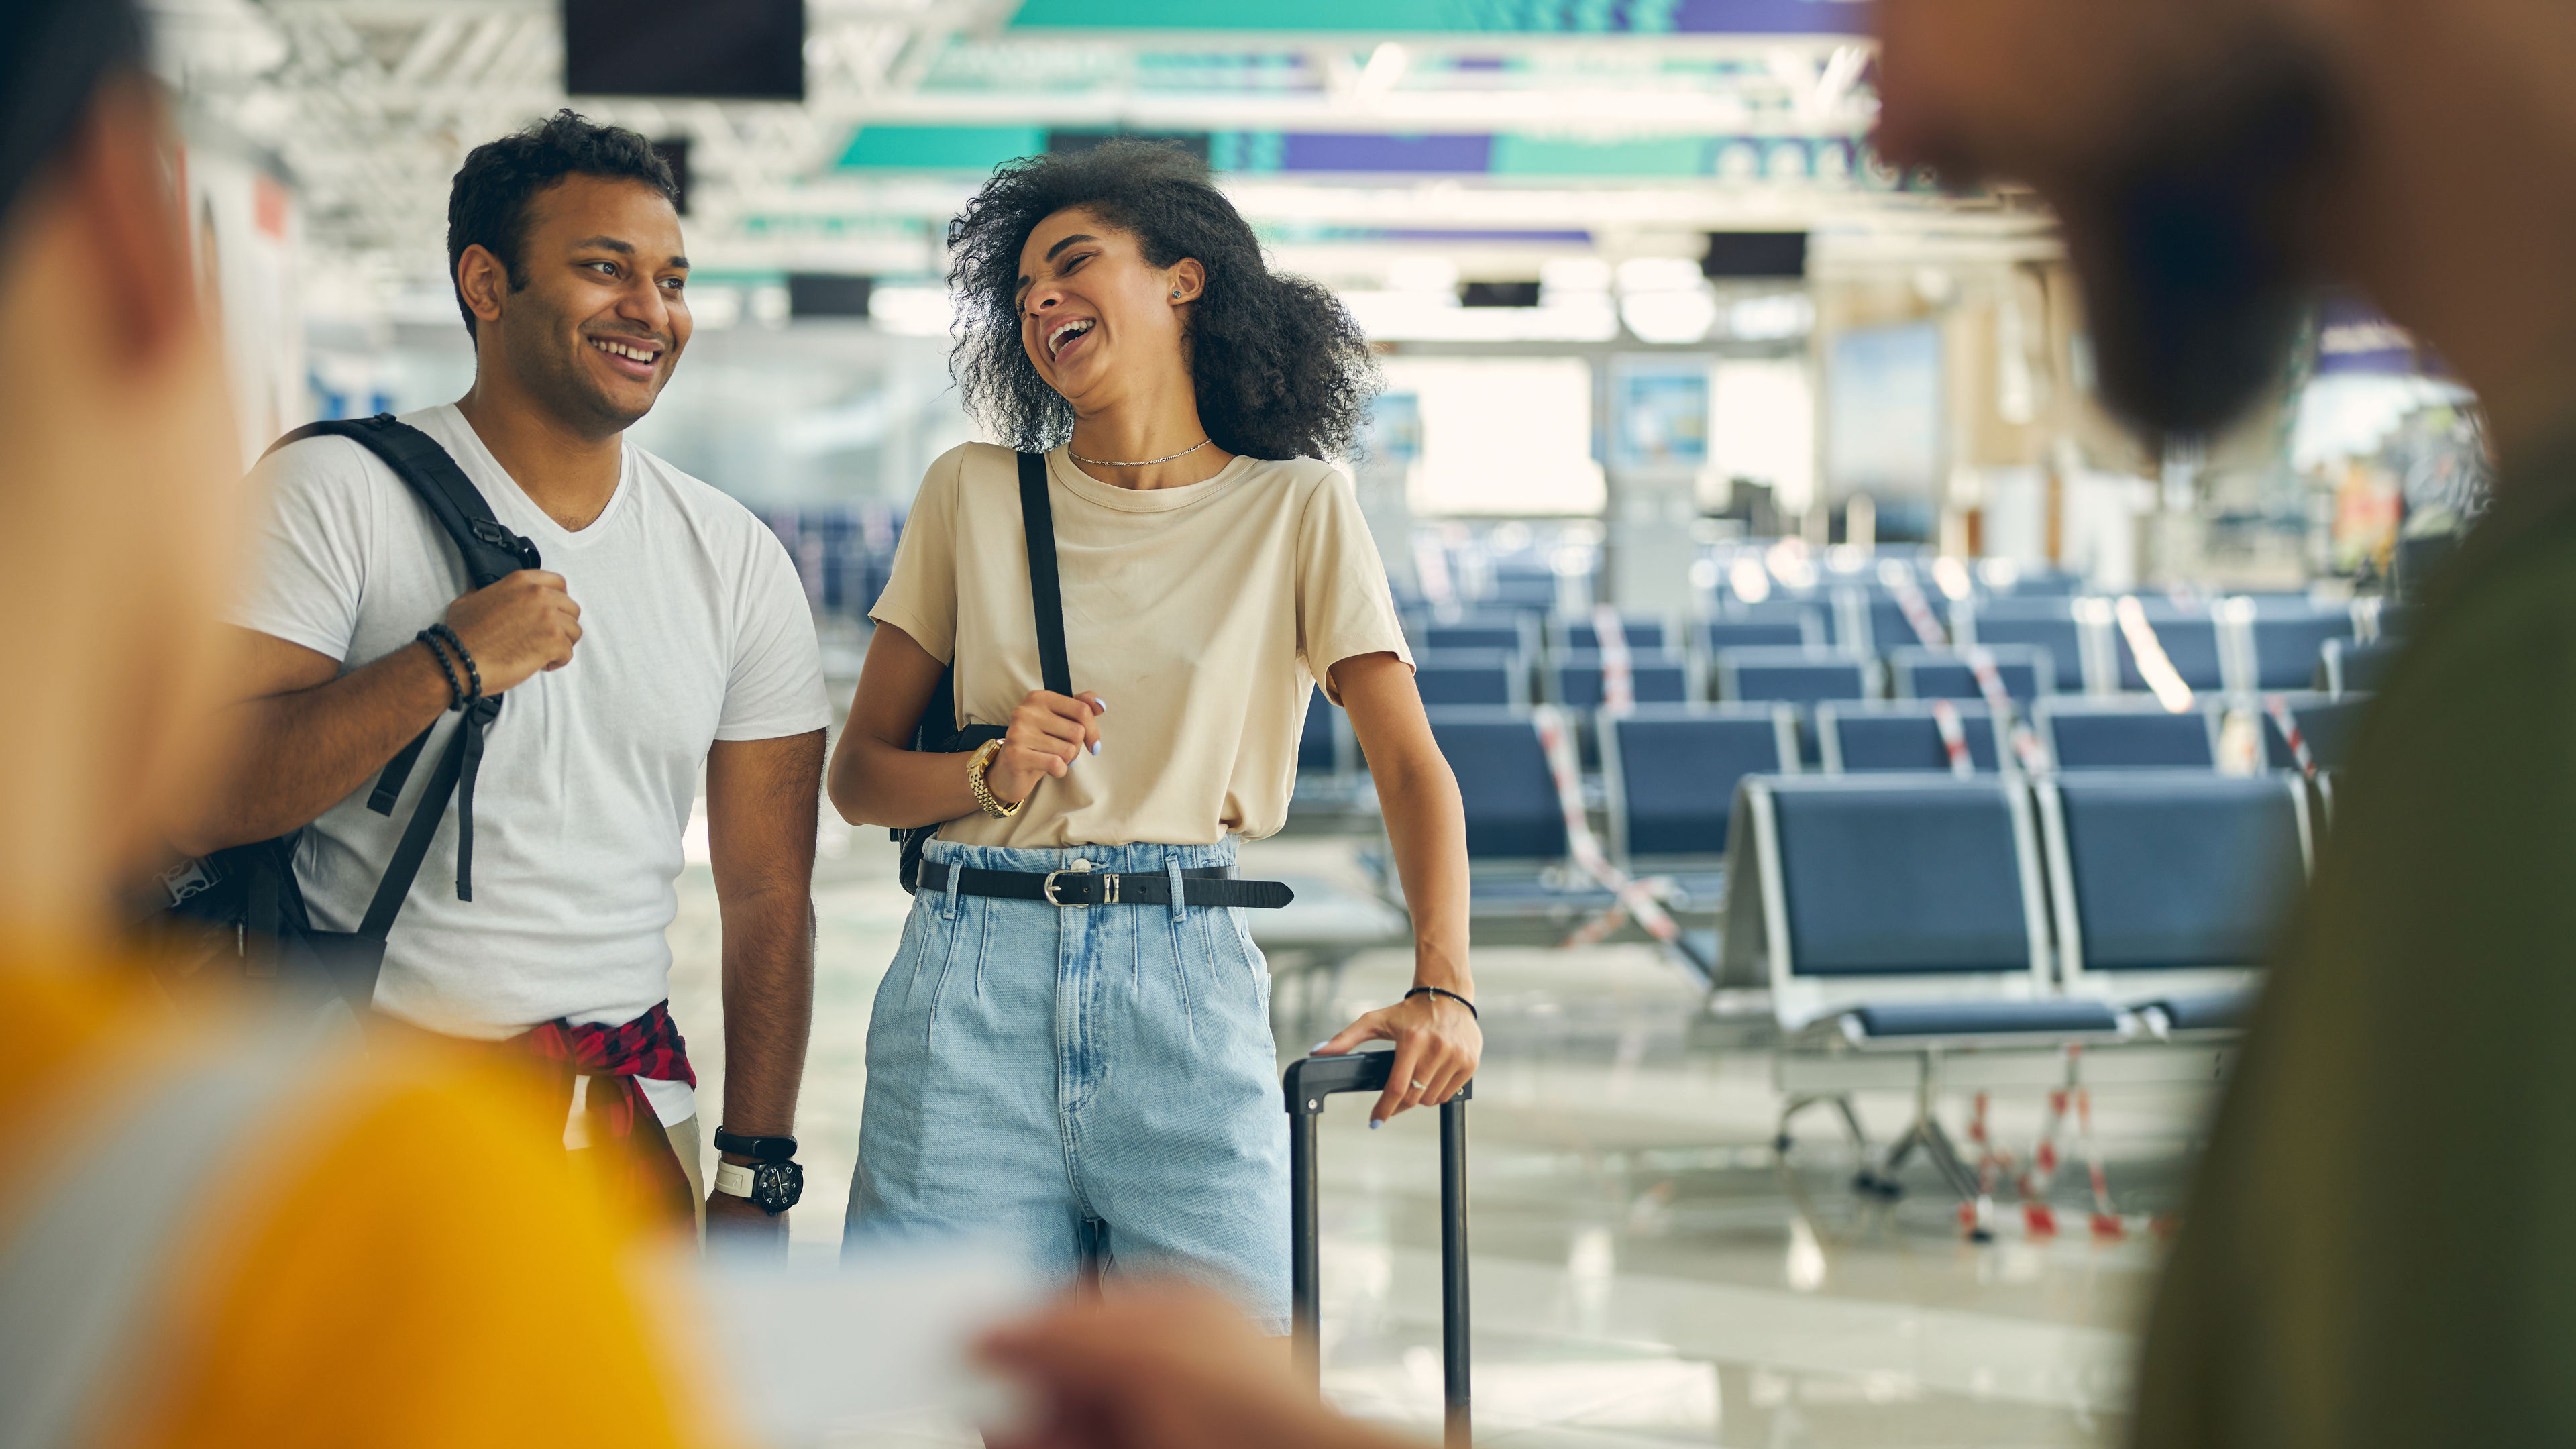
{"points": [[455, 690], [1443, 991], [474, 695]]}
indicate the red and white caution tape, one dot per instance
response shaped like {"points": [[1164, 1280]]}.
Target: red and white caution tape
{"points": [[1954, 737], [2288, 724], [1918, 613], [2036, 1213], [1618, 673], [1635, 898], [1981, 665]]}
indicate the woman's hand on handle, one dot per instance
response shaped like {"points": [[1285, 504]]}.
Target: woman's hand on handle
{"points": [[1437, 1047], [1047, 733]]}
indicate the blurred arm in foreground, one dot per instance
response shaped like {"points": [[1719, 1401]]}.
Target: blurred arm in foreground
{"points": [[1161, 1366], [217, 1234]]}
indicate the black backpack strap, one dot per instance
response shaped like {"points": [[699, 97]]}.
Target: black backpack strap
{"points": [[489, 551], [1037, 520], [938, 732]]}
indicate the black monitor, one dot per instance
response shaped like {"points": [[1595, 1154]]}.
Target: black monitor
{"points": [[750, 50]]}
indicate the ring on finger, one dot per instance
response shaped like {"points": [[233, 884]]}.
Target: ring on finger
{"points": [[1422, 1086]]}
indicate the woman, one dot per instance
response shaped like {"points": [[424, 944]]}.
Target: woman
{"points": [[1100, 1081]]}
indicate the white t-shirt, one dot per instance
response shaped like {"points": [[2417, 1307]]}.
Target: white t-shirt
{"points": [[694, 629]]}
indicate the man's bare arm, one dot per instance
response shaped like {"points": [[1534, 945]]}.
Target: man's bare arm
{"points": [[762, 800], [311, 735]]}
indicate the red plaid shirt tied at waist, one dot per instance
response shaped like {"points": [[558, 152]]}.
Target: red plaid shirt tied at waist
{"points": [[615, 1057]]}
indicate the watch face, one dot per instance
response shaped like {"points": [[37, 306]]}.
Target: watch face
{"points": [[775, 1186]]}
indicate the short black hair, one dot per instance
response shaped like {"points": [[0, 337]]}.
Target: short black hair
{"points": [[58, 54], [488, 204], [1279, 367]]}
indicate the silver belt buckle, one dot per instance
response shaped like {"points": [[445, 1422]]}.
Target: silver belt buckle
{"points": [[1079, 867]]}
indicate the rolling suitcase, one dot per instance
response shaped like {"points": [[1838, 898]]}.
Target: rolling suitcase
{"points": [[1308, 1083]]}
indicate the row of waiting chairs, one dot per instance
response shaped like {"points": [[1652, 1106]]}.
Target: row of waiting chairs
{"points": [[2239, 643], [1792, 675], [1669, 774], [1916, 922]]}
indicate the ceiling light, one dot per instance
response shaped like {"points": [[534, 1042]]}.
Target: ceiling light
{"points": [[1668, 317]]}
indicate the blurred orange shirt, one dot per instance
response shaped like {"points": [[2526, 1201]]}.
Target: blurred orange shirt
{"points": [[400, 1257]]}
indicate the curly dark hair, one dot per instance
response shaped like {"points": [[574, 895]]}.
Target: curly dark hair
{"points": [[487, 205], [1280, 368]]}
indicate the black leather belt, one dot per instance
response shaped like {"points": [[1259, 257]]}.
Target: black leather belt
{"points": [[1213, 886]]}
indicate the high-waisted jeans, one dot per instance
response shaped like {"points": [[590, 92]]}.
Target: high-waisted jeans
{"points": [[1094, 1082]]}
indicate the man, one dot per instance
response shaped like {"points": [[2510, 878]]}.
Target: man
{"points": [[206, 1241], [666, 630], [2212, 159]]}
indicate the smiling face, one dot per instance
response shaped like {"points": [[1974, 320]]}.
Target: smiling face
{"points": [[601, 319], [1096, 315]]}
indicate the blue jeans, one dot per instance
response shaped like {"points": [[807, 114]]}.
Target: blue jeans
{"points": [[1092, 1081]]}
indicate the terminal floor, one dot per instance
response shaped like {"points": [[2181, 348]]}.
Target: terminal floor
{"points": [[1644, 1274]]}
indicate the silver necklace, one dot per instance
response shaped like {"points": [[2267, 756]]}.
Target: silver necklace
{"points": [[1147, 463]]}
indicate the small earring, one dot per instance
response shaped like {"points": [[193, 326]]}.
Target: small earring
{"points": [[1176, 296]]}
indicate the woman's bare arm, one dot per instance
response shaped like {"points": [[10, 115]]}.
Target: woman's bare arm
{"points": [[1437, 1041]]}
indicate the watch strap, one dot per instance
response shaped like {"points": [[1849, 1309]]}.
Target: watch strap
{"points": [[733, 1179], [767, 1149]]}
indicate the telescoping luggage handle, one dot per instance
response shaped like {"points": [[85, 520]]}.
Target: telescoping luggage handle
{"points": [[1310, 1080]]}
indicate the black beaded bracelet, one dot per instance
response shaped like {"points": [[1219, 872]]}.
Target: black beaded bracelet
{"points": [[1444, 991], [455, 690], [472, 674]]}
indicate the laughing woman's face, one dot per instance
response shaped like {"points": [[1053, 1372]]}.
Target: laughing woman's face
{"points": [[1093, 309]]}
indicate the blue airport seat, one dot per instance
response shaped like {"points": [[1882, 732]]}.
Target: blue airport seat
{"points": [[1318, 751], [1511, 806], [1898, 880], [2027, 671], [2162, 879], [2047, 623], [2128, 732], [1643, 633], [1891, 735], [2190, 638], [1575, 680], [1799, 628], [2050, 1016], [2327, 723], [2346, 667], [1508, 632], [1793, 676], [1871, 621], [1491, 677], [1516, 845], [2284, 638], [1671, 772]]}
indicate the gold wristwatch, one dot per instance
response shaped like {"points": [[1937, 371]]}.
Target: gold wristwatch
{"points": [[983, 793]]}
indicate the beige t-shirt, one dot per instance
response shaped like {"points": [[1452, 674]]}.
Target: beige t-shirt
{"points": [[1201, 615]]}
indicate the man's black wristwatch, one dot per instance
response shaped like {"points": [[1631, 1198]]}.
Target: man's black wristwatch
{"points": [[773, 1182]]}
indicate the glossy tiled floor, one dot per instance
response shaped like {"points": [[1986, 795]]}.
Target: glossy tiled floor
{"points": [[1644, 1272]]}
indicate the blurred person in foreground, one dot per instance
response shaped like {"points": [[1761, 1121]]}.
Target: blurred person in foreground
{"points": [[218, 1234], [2214, 160], [212, 1237], [666, 635]]}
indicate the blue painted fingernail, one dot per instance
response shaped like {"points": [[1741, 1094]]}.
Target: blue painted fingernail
{"points": [[1319, 1046], [1375, 1124], [1095, 747], [1099, 705]]}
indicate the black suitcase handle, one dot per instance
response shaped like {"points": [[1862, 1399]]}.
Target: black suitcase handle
{"points": [[1308, 1082]]}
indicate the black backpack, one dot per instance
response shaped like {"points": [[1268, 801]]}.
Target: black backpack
{"points": [[939, 732], [248, 893]]}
